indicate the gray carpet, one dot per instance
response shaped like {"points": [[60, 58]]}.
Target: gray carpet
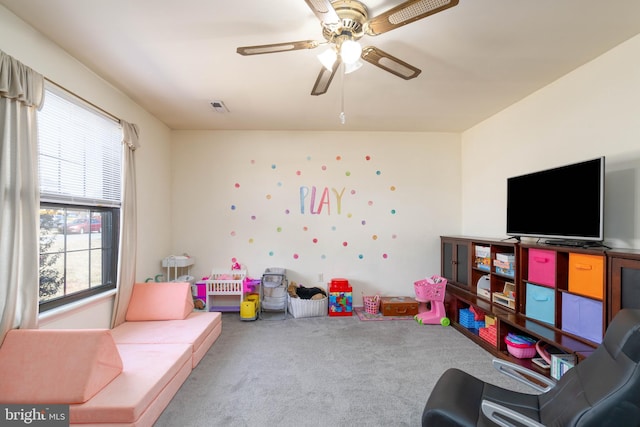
{"points": [[323, 371]]}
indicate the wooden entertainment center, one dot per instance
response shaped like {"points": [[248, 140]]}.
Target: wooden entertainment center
{"points": [[564, 296]]}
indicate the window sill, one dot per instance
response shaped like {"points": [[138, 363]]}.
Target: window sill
{"points": [[59, 312]]}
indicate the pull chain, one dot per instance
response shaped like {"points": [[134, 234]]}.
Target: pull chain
{"points": [[342, 116]]}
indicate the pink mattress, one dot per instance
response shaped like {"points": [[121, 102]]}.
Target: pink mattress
{"points": [[151, 376], [200, 329]]}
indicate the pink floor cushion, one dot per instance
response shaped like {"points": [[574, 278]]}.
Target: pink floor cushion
{"points": [[152, 374], [160, 301], [193, 330], [56, 366]]}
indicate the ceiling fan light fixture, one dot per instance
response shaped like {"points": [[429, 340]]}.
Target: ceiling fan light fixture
{"points": [[328, 58], [350, 68], [350, 51]]}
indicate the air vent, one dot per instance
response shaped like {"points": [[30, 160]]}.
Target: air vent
{"points": [[219, 107]]}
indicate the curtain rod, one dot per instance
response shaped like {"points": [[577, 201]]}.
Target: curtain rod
{"points": [[102, 110]]}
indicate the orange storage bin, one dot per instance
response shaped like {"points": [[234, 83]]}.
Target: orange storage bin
{"points": [[586, 275]]}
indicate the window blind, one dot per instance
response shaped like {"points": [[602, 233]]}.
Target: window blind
{"points": [[80, 152]]}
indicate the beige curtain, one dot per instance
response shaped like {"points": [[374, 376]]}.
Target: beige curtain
{"points": [[21, 94], [128, 225]]}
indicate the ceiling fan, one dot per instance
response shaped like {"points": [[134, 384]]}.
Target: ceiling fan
{"points": [[344, 22]]}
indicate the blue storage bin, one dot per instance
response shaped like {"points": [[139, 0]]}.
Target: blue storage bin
{"points": [[541, 303], [582, 316], [467, 319]]}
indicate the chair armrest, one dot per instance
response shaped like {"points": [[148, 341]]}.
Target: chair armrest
{"points": [[520, 373], [502, 415]]}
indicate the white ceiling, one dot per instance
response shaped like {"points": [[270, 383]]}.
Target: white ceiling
{"points": [[175, 56]]}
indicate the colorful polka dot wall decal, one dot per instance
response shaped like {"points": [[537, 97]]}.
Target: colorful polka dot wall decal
{"points": [[345, 244], [392, 188], [233, 233], [360, 256], [370, 202], [296, 256], [393, 211], [308, 157], [250, 240], [273, 166], [279, 229], [324, 168], [298, 173], [233, 207], [363, 222], [374, 237], [385, 256], [305, 228], [268, 196], [323, 256], [270, 253], [394, 236], [353, 192], [367, 158], [378, 173], [315, 240], [347, 173], [253, 162], [333, 228], [338, 158], [279, 184], [237, 185], [253, 217], [286, 211]]}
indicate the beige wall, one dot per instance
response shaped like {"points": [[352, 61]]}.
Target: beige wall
{"points": [[593, 111], [152, 160], [238, 195]]}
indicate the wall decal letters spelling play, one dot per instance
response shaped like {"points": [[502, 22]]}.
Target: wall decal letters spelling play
{"points": [[308, 197]]}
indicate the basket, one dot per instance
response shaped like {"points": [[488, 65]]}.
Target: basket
{"points": [[466, 318], [520, 350], [431, 289], [371, 304], [308, 307]]}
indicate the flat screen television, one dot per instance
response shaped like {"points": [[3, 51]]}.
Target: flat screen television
{"points": [[564, 204]]}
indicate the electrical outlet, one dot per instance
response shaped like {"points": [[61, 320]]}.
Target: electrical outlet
{"points": [[320, 277]]}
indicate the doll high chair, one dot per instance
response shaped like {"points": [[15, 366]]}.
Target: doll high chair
{"points": [[431, 290]]}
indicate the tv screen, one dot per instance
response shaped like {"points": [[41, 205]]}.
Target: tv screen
{"points": [[566, 202]]}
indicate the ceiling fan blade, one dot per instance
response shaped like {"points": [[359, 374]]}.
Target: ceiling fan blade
{"points": [[324, 10], [389, 63], [277, 47], [324, 79], [405, 13]]}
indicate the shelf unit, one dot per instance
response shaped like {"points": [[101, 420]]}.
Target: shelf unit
{"points": [[624, 281], [608, 280]]}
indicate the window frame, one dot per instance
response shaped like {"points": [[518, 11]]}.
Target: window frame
{"points": [[109, 265], [110, 235]]}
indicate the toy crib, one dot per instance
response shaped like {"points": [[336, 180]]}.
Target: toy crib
{"points": [[225, 282]]}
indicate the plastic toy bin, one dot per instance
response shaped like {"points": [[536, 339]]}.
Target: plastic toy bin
{"points": [[340, 298]]}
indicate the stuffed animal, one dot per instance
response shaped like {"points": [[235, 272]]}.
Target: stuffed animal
{"points": [[293, 290], [198, 304]]}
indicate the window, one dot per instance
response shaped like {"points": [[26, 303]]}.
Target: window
{"points": [[79, 162]]}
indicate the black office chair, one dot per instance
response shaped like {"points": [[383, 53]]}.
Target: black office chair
{"points": [[602, 390]]}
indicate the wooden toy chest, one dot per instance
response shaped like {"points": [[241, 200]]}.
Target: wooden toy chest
{"points": [[398, 306]]}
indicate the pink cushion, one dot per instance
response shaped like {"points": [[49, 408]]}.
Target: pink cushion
{"points": [[160, 301], [56, 366], [151, 376], [193, 330]]}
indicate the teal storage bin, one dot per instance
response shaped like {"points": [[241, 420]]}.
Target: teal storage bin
{"points": [[541, 303]]}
